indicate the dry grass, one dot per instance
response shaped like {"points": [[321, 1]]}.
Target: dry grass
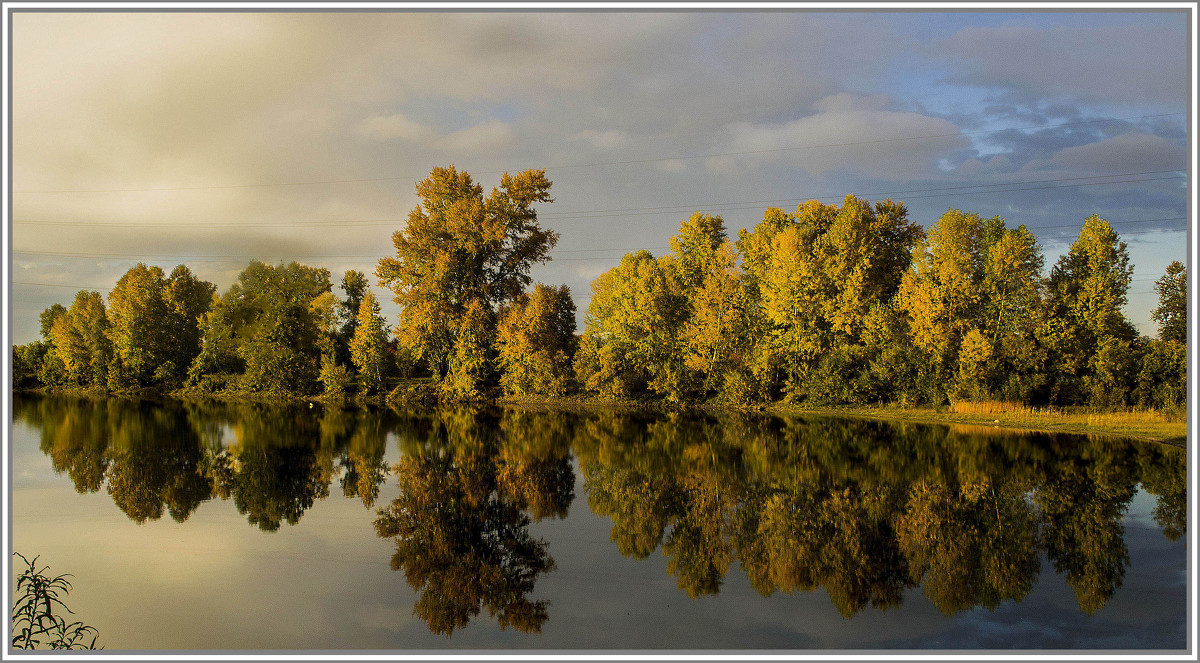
{"points": [[989, 407], [1145, 424]]}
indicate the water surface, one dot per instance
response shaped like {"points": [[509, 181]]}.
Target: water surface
{"points": [[247, 526]]}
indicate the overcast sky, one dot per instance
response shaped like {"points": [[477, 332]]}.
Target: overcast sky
{"points": [[208, 138]]}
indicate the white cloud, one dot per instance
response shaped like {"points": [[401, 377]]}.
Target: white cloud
{"points": [[490, 135], [396, 125]]}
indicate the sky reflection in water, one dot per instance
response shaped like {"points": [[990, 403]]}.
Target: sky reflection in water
{"points": [[245, 526]]}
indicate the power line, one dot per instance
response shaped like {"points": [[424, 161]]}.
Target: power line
{"points": [[610, 163], [372, 258], [679, 208], [109, 288], [665, 209]]}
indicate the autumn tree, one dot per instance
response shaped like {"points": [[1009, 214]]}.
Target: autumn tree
{"points": [[536, 342], [81, 340], [47, 318], [825, 269], [460, 257], [368, 347], [942, 297], [714, 338], [631, 337], [1010, 364]]}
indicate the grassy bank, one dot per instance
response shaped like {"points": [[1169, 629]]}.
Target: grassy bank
{"points": [[1149, 425]]}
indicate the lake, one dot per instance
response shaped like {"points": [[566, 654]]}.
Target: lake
{"points": [[238, 526]]}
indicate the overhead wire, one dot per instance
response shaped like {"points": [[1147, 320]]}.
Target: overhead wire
{"points": [[265, 255], [669, 209], [617, 163]]}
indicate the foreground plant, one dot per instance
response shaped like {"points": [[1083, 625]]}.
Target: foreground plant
{"points": [[34, 621]]}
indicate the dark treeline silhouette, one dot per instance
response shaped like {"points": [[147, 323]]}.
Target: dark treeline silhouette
{"points": [[864, 510], [830, 304]]}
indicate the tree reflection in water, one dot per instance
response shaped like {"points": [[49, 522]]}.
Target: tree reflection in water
{"points": [[866, 510], [863, 510], [471, 482]]}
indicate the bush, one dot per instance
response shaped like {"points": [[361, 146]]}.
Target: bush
{"points": [[334, 377]]}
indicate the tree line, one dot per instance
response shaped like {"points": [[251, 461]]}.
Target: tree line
{"points": [[850, 303]]}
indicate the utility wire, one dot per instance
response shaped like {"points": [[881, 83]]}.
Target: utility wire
{"points": [[642, 211], [264, 256], [614, 163]]}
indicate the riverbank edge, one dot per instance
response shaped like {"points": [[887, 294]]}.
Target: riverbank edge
{"points": [[1117, 424]]}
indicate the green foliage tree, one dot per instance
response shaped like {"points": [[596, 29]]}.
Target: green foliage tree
{"points": [[28, 363], [536, 342], [1086, 335], [156, 322], [1161, 376], [267, 323], [459, 257], [632, 333], [368, 347], [1171, 312]]}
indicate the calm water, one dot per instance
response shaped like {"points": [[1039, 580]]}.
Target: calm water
{"points": [[241, 526]]}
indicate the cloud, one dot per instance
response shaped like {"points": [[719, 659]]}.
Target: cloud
{"points": [[217, 108], [609, 139], [834, 140], [1126, 153], [1122, 64], [844, 102], [483, 137], [393, 126]]}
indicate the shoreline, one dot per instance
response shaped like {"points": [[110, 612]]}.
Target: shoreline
{"points": [[1145, 426]]}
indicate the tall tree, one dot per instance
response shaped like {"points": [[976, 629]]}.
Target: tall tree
{"points": [[1083, 327], [1171, 312], [138, 313], [460, 252], [630, 342], [187, 299], [48, 317], [81, 338], [825, 271], [368, 348], [355, 285]]}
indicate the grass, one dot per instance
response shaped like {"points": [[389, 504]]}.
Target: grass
{"points": [[1142, 424]]}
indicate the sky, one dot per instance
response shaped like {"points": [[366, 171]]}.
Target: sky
{"points": [[208, 139]]}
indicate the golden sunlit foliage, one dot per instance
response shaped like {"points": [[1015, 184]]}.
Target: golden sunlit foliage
{"points": [[536, 341], [831, 304], [459, 257]]}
